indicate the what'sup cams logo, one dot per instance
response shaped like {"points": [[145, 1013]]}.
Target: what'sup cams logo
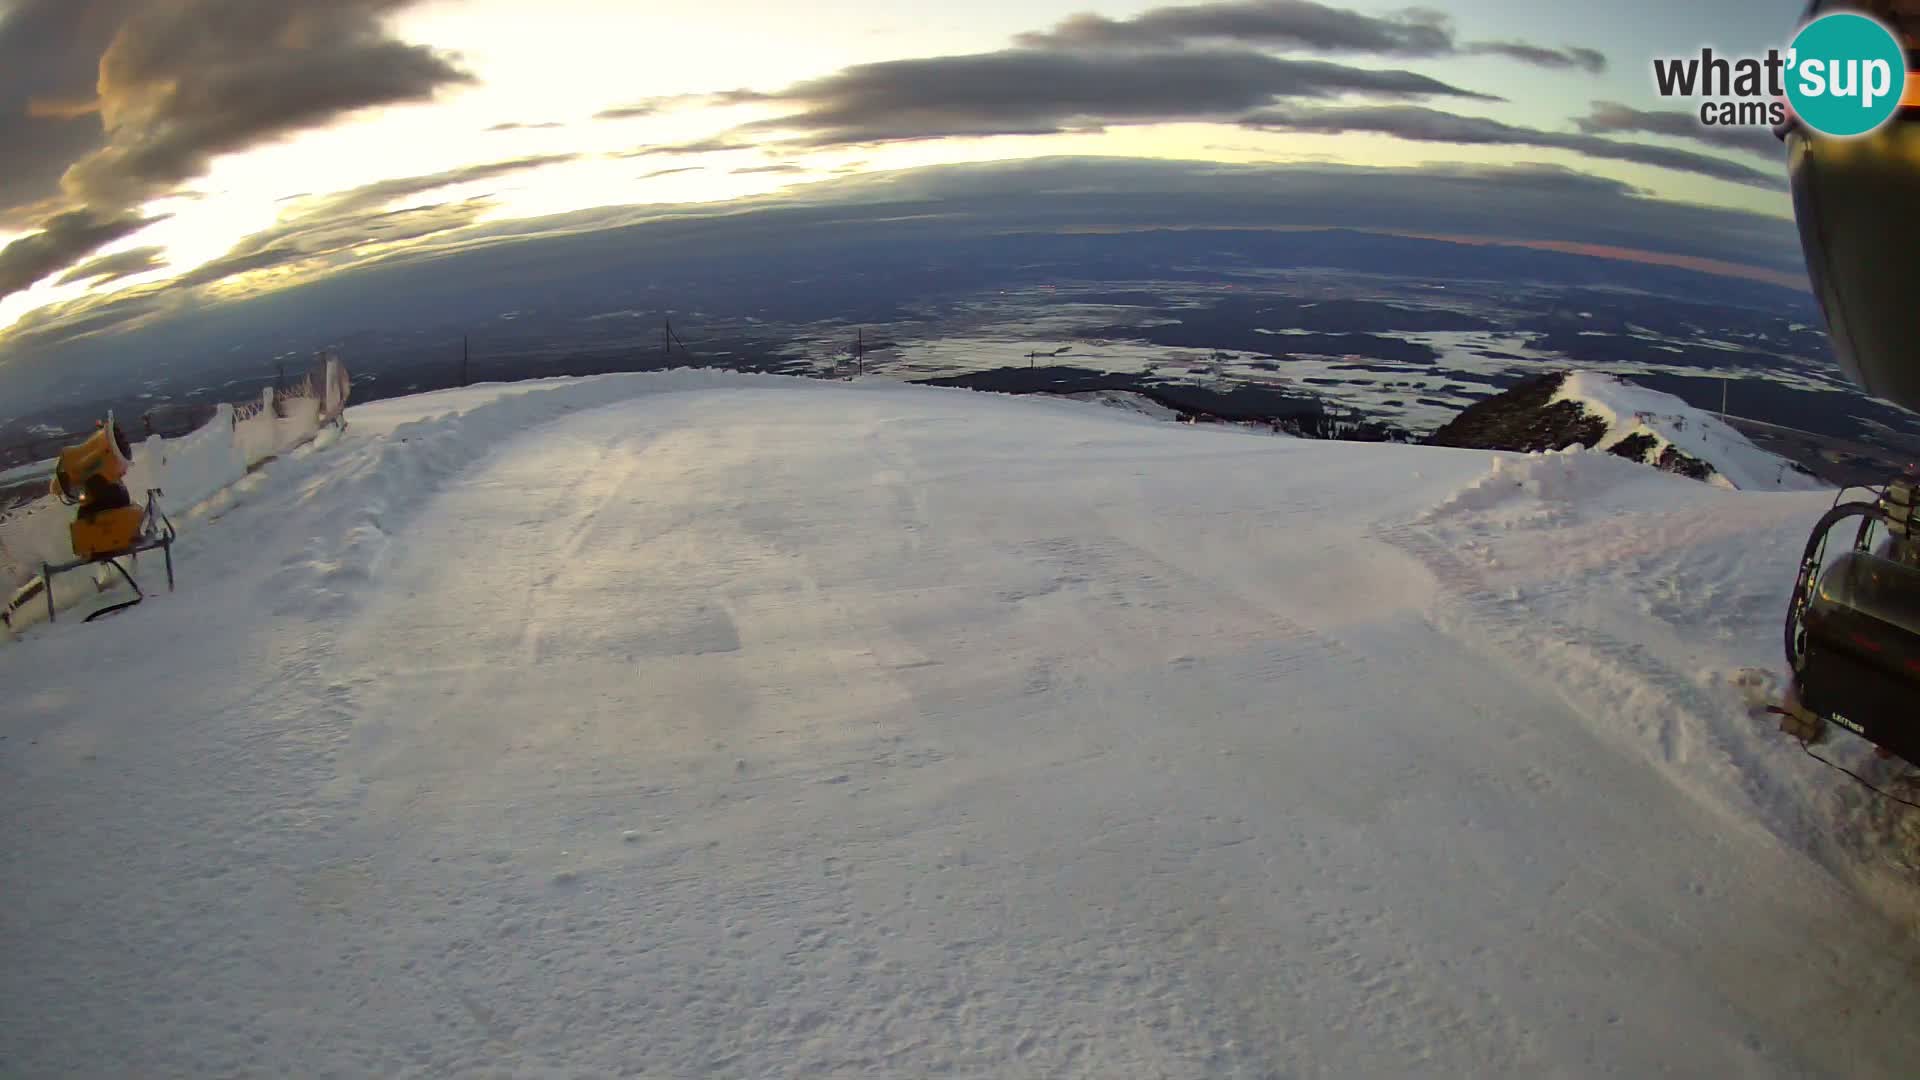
{"points": [[1845, 74]]}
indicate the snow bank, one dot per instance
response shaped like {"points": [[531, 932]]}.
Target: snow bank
{"points": [[191, 468], [30, 536], [1558, 476], [1662, 421]]}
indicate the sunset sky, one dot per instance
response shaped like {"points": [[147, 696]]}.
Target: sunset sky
{"points": [[215, 148]]}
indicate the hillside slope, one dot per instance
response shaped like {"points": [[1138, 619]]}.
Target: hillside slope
{"points": [[691, 724], [1604, 412]]}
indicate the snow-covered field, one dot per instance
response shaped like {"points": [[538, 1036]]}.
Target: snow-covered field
{"points": [[695, 724]]}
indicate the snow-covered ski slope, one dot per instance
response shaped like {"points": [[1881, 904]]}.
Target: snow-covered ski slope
{"points": [[692, 724]]}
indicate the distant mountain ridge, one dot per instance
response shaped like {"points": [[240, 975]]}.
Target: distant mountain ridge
{"points": [[1607, 413]]}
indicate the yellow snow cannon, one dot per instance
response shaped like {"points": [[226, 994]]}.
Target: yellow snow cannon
{"points": [[90, 476], [107, 526]]}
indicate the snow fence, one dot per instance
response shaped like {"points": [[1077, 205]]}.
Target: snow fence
{"points": [[194, 467]]}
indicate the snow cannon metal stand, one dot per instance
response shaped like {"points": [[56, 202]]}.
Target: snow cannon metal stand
{"points": [[1853, 628], [155, 531]]}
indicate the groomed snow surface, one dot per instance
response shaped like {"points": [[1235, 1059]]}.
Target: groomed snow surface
{"points": [[692, 724]]}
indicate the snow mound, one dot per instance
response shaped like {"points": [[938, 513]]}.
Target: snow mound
{"points": [[29, 536], [1127, 401], [1555, 476], [1662, 430]]}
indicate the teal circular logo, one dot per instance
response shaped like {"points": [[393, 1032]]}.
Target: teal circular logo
{"points": [[1845, 74]]}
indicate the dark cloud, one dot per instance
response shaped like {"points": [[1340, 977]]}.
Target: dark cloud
{"points": [[121, 264], [315, 243], [75, 320], [1611, 117], [1590, 61], [716, 145], [52, 48], [63, 240], [313, 234], [305, 250], [233, 265], [653, 106], [626, 112], [49, 64], [324, 234], [186, 80], [1421, 124], [1038, 92], [1295, 24], [783, 168], [37, 153], [127, 100], [670, 172], [382, 192], [515, 126]]}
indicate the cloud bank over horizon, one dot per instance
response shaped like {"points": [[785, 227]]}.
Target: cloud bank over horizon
{"points": [[1523, 205], [130, 126]]}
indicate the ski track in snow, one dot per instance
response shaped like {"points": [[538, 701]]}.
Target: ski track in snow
{"points": [[754, 727]]}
